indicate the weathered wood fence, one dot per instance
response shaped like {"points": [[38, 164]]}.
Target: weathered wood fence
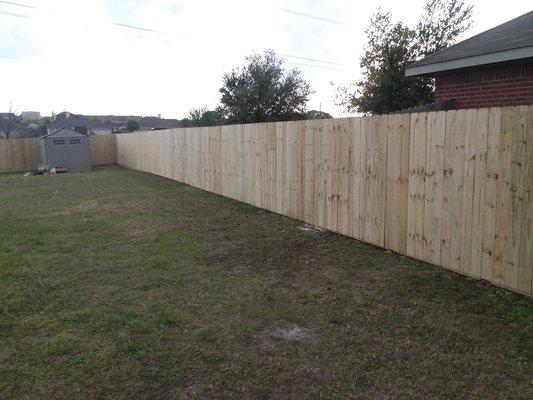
{"points": [[25, 154], [452, 188]]}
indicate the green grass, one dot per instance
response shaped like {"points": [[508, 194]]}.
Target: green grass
{"points": [[119, 284]]}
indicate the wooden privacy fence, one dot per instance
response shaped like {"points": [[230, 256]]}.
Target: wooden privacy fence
{"points": [[25, 154], [452, 188]]}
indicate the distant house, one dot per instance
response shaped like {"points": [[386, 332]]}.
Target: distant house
{"points": [[79, 123], [106, 124], [493, 68], [156, 123], [30, 115]]}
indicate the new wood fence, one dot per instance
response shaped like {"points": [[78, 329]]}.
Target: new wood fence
{"points": [[452, 188], [25, 154]]}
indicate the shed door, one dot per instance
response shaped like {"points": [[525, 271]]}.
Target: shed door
{"points": [[59, 150], [76, 154]]}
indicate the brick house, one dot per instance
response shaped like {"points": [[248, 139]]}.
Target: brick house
{"points": [[493, 68]]}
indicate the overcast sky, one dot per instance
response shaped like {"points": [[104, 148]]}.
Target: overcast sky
{"points": [[58, 55]]}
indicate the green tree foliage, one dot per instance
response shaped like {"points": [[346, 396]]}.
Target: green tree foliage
{"points": [[263, 90], [203, 117], [196, 114], [211, 118], [441, 24], [314, 114], [384, 88], [132, 125]]}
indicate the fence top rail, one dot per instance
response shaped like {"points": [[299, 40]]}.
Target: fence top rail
{"points": [[334, 120]]}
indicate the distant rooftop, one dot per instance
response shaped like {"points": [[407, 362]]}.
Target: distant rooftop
{"points": [[512, 40]]}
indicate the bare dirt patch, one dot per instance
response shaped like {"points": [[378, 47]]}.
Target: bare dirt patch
{"points": [[90, 206], [284, 331]]}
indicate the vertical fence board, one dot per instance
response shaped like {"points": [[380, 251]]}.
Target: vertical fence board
{"points": [[359, 177], [480, 181], [417, 164], [396, 184], [491, 188], [309, 172], [433, 186], [525, 261]]}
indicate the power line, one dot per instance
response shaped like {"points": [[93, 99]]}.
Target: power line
{"points": [[143, 29], [10, 14], [314, 66], [11, 3], [138, 28], [310, 59], [302, 14]]}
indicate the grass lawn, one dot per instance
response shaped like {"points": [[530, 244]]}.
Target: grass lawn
{"points": [[119, 284]]}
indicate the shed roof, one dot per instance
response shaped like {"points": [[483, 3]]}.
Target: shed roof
{"points": [[512, 40], [63, 132]]}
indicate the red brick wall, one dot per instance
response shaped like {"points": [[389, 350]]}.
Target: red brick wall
{"points": [[499, 85]]}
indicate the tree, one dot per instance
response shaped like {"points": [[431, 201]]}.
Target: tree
{"points": [[203, 117], [384, 87], [196, 114], [211, 118], [315, 114], [263, 90], [10, 126], [441, 24], [132, 125]]}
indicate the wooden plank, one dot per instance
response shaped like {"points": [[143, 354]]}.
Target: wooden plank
{"points": [[280, 167], [375, 176], [343, 192], [320, 176], [468, 189], [456, 196], [416, 202], [434, 172], [300, 158], [331, 136], [293, 177], [503, 218], [509, 223], [309, 172], [272, 165], [397, 182], [525, 261], [359, 177], [480, 179]]}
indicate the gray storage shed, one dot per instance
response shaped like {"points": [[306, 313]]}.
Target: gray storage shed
{"points": [[66, 148]]}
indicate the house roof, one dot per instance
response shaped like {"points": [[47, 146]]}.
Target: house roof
{"points": [[70, 120], [63, 132], [158, 123], [512, 40]]}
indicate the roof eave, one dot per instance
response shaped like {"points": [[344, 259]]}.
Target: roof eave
{"points": [[483, 59]]}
